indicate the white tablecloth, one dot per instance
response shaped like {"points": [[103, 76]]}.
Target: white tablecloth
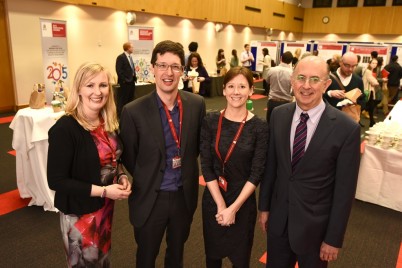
{"points": [[380, 177], [30, 140]]}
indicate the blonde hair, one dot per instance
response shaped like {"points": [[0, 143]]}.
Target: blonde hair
{"points": [[74, 104]]}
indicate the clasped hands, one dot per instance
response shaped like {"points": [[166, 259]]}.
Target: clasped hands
{"points": [[226, 216], [119, 191]]}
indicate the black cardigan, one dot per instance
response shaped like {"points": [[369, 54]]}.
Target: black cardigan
{"points": [[73, 165]]}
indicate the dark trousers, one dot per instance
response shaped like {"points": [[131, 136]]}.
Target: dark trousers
{"points": [[169, 214], [281, 255], [272, 104], [370, 106], [125, 94]]}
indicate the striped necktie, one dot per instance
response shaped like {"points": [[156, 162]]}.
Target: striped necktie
{"points": [[299, 143]]}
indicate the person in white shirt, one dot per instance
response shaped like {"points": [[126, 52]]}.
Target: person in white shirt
{"points": [[247, 58]]}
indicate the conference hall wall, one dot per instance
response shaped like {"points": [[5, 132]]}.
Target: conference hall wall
{"points": [[97, 34]]}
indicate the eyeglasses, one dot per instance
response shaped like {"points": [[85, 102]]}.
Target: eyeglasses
{"points": [[314, 80], [164, 66]]}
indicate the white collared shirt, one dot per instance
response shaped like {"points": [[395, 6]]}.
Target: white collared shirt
{"points": [[312, 122]]}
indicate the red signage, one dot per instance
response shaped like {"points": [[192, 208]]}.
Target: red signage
{"points": [[59, 29], [367, 50], [146, 34]]}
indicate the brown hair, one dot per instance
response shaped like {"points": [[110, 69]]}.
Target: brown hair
{"points": [[235, 71]]}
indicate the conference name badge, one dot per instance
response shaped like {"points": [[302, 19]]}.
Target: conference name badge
{"points": [[222, 183], [176, 162]]}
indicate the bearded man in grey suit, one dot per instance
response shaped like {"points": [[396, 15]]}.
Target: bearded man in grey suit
{"points": [[161, 137], [312, 166]]}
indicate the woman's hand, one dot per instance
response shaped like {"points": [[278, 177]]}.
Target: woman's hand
{"points": [[200, 79], [226, 217], [118, 191]]}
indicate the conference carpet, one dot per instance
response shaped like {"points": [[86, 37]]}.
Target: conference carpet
{"points": [[30, 237]]}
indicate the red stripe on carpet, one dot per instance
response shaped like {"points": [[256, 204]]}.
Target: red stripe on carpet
{"points": [[263, 259], [11, 201], [399, 261], [257, 96], [13, 152], [7, 119], [201, 181]]}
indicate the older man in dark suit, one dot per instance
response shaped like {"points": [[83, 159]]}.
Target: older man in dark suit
{"points": [[312, 166], [126, 77], [160, 134]]}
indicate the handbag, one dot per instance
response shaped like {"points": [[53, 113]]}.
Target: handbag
{"points": [[37, 100], [352, 110]]}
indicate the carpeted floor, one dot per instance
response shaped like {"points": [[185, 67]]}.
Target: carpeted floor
{"points": [[30, 237]]}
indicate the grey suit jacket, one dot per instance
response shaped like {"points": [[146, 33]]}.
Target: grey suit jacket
{"points": [[144, 153], [314, 201]]}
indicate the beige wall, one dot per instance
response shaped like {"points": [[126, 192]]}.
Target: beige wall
{"points": [[97, 34]]}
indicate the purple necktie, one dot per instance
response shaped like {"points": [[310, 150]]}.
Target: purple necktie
{"points": [[299, 143]]}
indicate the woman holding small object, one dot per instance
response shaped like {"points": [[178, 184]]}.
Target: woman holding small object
{"points": [[199, 82], [83, 168], [233, 151]]}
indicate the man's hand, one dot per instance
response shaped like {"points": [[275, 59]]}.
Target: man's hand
{"points": [[263, 220], [328, 253], [339, 94]]}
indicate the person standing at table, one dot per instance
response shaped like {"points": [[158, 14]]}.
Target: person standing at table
{"points": [[83, 168], [160, 134], [221, 62], [233, 151], [197, 84], [247, 58], [126, 77], [310, 180]]}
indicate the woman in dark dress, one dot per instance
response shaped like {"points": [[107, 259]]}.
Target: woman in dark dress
{"points": [[233, 151], [83, 168], [202, 80]]}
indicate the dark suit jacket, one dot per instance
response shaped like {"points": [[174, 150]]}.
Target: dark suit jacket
{"points": [[144, 153], [315, 201], [123, 70]]}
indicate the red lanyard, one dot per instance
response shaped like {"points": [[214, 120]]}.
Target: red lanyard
{"points": [[218, 136], [171, 125]]}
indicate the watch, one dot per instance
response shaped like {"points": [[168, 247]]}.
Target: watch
{"points": [[325, 19]]}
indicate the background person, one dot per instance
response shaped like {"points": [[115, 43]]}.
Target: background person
{"points": [[278, 79], [83, 168], [195, 63], [370, 89], [266, 65], [234, 60], [220, 62], [241, 169], [161, 137], [310, 180], [247, 58], [126, 77]]}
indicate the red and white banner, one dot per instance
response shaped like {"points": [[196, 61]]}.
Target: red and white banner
{"points": [[365, 52], [54, 55], [143, 41], [327, 50], [272, 50]]}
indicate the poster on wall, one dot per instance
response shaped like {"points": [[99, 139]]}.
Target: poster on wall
{"points": [[272, 51], [54, 55], [293, 46], [327, 50], [143, 41], [365, 52]]}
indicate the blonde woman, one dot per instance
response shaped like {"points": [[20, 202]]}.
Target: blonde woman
{"points": [[83, 168]]}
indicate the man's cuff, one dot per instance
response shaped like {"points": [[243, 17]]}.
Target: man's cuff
{"points": [[329, 93]]}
